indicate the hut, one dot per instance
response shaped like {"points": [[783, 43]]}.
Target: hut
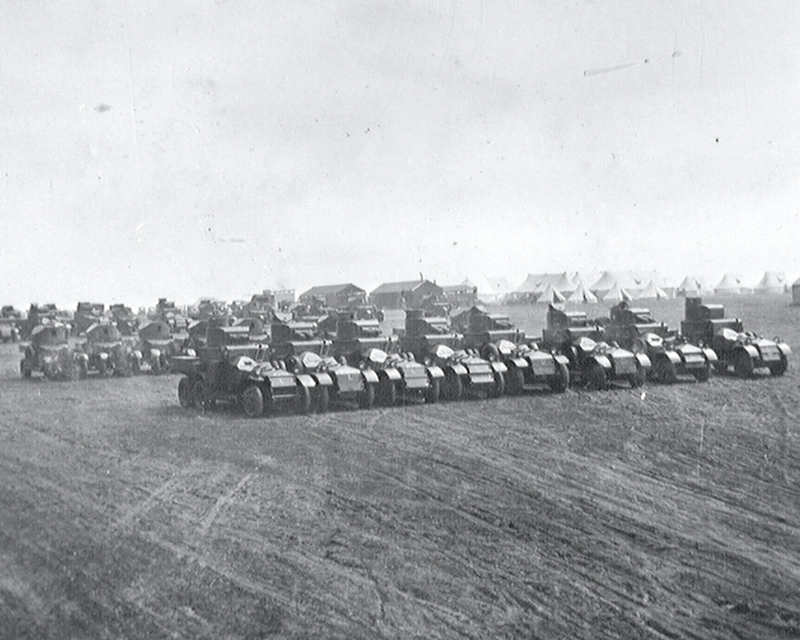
{"points": [[338, 296], [404, 295]]}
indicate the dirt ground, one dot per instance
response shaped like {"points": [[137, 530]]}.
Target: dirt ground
{"points": [[668, 512]]}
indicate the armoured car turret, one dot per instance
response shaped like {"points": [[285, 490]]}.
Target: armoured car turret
{"points": [[232, 368], [498, 340], [743, 351], [670, 353], [593, 362], [431, 341]]}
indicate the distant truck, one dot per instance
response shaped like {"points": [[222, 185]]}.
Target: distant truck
{"points": [[744, 352]]}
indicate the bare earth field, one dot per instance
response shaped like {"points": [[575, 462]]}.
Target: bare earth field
{"points": [[673, 513]]}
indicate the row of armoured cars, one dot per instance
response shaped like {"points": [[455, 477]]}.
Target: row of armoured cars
{"points": [[474, 354], [102, 349]]}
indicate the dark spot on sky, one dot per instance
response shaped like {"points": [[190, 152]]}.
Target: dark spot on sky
{"points": [[677, 54], [717, 139], [102, 107]]}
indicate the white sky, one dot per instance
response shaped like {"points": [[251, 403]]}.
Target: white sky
{"points": [[194, 148]]}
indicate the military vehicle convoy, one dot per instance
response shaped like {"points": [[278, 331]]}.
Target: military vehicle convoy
{"points": [[431, 341], [744, 352], [498, 340], [593, 362], [232, 368], [670, 353], [49, 352]]}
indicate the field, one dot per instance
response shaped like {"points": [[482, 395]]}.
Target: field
{"points": [[668, 513]]}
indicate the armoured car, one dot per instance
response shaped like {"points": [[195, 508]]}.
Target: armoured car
{"points": [[156, 346], [593, 362], [741, 350], [497, 339], [106, 352], [400, 377], [232, 368], [49, 352], [670, 353], [431, 341], [301, 349]]}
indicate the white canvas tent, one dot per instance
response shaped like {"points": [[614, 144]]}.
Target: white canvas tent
{"points": [[694, 287], [582, 295], [653, 292], [771, 283], [730, 285], [550, 295], [616, 294]]}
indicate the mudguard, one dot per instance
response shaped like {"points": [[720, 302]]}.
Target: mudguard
{"points": [[519, 363], [391, 373], [323, 379], [603, 361], [155, 353], [673, 356], [644, 361], [751, 351], [711, 355], [562, 359], [458, 369], [370, 376], [499, 367], [435, 372], [784, 348], [306, 380]]}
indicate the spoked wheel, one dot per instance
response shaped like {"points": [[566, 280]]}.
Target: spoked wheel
{"points": [[702, 374], [185, 396], [24, 371], [490, 352], [637, 379], [779, 368], [366, 399], [515, 379], [302, 402], [743, 364], [453, 387], [433, 392], [253, 401], [559, 383]]}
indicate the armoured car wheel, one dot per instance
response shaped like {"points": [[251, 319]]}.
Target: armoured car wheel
{"points": [[559, 383], [367, 398], [387, 392], [721, 367], [253, 401], [637, 379], [122, 366], [453, 387], [779, 368], [83, 369], [185, 393], [24, 371], [490, 352], [665, 371], [155, 365], [516, 381], [323, 398], [200, 395], [433, 392], [743, 364], [499, 386], [703, 374], [596, 377], [136, 366], [302, 401]]}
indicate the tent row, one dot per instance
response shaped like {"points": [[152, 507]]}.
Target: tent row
{"points": [[627, 285]]}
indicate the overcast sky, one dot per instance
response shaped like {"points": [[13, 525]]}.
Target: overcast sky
{"points": [[218, 148]]}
